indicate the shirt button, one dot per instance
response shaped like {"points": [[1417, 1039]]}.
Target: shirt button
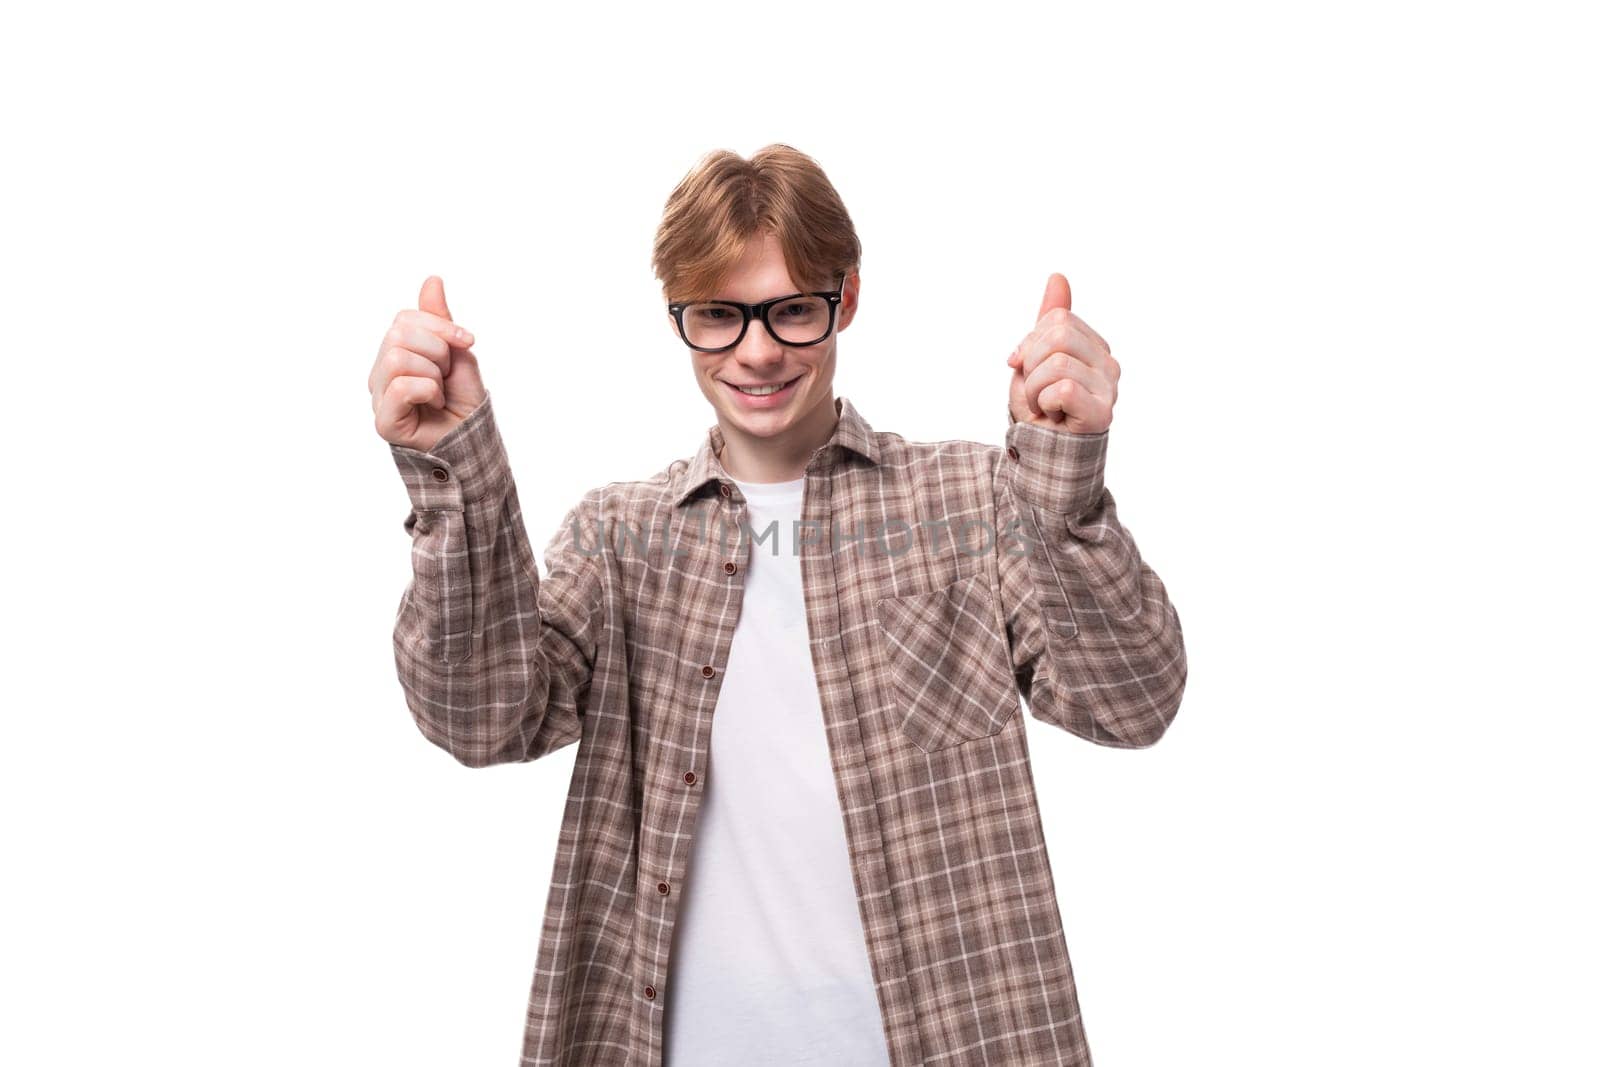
{"points": [[708, 670], [730, 566], [662, 888], [1011, 450], [649, 992], [725, 489], [440, 474], [688, 776]]}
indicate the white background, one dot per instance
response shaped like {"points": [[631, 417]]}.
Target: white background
{"points": [[1346, 256]]}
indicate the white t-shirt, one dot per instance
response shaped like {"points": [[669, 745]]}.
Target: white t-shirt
{"points": [[769, 961]]}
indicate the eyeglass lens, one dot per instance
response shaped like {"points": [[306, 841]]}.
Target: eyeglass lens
{"points": [[797, 321]]}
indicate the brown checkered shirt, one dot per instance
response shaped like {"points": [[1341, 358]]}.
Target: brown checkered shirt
{"points": [[942, 581]]}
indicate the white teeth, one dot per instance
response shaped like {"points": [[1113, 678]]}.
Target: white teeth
{"points": [[764, 390]]}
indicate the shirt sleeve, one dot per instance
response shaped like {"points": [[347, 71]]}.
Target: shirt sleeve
{"points": [[494, 661], [1096, 645]]}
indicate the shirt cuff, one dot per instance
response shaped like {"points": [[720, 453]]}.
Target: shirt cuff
{"points": [[1056, 470], [467, 464]]}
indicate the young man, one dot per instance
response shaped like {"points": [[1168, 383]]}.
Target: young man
{"points": [[850, 868]]}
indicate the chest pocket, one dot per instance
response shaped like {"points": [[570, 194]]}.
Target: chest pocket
{"points": [[949, 664]]}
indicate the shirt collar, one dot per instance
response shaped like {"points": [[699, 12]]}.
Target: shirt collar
{"points": [[851, 432]]}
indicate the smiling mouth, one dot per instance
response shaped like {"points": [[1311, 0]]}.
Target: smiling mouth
{"points": [[763, 390]]}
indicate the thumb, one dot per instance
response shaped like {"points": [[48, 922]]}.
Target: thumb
{"points": [[1057, 294], [432, 298]]}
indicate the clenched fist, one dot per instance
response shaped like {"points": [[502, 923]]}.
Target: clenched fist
{"points": [[1062, 374], [425, 380]]}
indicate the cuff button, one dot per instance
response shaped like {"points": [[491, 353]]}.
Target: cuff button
{"points": [[440, 474]]}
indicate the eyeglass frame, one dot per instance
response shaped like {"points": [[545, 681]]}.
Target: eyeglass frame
{"points": [[759, 311]]}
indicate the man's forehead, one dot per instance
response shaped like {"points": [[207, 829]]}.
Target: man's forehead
{"points": [[754, 298], [755, 289]]}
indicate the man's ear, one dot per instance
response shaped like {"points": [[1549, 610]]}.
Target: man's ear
{"points": [[849, 299]]}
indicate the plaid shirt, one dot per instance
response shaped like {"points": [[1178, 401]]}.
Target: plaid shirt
{"points": [[941, 579]]}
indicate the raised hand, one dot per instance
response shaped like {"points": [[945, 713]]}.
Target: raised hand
{"points": [[1063, 375], [425, 380]]}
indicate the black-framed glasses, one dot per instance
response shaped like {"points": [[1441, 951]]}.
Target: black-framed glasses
{"points": [[797, 320]]}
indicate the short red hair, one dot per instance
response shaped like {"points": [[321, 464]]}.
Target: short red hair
{"points": [[726, 200]]}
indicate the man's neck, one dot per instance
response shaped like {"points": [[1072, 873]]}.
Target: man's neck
{"points": [[778, 459]]}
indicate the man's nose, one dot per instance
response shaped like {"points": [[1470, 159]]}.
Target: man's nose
{"points": [[758, 344]]}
